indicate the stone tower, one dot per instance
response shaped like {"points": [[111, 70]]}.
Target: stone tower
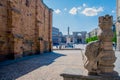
{"points": [[106, 62], [100, 54]]}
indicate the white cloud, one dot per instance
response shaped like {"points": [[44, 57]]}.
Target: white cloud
{"points": [[79, 8], [57, 11], [84, 5], [113, 11], [65, 9], [92, 11], [73, 11]]}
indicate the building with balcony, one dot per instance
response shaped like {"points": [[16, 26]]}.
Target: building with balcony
{"points": [[55, 36], [94, 32]]}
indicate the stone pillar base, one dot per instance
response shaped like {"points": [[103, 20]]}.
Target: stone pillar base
{"points": [[77, 74], [118, 49]]}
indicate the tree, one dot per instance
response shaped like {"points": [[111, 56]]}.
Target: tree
{"points": [[94, 38], [115, 37]]}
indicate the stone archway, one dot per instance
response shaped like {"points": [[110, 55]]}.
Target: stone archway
{"points": [[79, 37]]}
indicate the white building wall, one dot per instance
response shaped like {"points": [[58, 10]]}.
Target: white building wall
{"points": [[118, 24]]}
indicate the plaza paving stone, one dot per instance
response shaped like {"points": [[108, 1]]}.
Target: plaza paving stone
{"points": [[46, 66]]}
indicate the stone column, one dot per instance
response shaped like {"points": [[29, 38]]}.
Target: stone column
{"points": [[50, 29], [106, 62], [118, 24], [118, 35]]}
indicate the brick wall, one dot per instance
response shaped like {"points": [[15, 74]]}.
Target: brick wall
{"points": [[50, 30], [3, 29], [24, 28], [40, 24]]}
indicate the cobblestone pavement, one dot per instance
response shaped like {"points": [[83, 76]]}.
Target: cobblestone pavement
{"points": [[46, 66]]}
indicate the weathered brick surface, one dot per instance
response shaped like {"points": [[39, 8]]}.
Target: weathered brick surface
{"points": [[24, 27], [3, 29], [40, 24]]}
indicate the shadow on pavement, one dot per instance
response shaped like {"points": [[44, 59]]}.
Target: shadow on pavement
{"points": [[11, 70]]}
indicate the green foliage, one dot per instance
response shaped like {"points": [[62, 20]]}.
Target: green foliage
{"points": [[94, 38], [114, 38]]}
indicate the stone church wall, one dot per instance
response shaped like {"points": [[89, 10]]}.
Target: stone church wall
{"points": [[24, 28]]}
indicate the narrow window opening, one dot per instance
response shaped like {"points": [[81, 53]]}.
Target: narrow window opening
{"points": [[27, 3]]}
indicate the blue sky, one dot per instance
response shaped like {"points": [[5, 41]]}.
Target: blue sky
{"points": [[79, 15]]}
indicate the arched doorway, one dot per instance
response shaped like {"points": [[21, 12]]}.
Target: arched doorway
{"points": [[79, 37]]}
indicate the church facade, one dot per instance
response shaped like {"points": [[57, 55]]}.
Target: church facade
{"points": [[25, 28]]}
